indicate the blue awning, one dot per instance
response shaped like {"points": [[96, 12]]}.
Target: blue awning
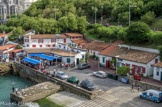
{"points": [[46, 57], [35, 54], [32, 61]]}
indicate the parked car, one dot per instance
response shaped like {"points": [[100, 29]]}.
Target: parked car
{"points": [[61, 75], [152, 95], [83, 66], [86, 84], [73, 80], [100, 74]]}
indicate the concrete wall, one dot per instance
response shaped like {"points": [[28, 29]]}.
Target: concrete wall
{"points": [[143, 85], [35, 92], [35, 76]]}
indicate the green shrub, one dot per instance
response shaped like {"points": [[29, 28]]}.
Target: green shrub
{"points": [[123, 70]]}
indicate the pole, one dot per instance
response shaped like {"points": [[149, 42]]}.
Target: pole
{"points": [[101, 14], [98, 63], [129, 13], [70, 57], [95, 14]]}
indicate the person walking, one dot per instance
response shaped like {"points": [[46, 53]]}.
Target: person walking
{"points": [[133, 86], [54, 72], [13, 89]]}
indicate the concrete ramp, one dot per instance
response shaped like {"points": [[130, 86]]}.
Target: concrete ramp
{"points": [[35, 92]]}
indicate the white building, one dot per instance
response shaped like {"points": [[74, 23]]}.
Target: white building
{"points": [[3, 38], [138, 61], [108, 54], [157, 71], [57, 41]]}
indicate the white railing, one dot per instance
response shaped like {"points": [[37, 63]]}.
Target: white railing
{"points": [[139, 48]]}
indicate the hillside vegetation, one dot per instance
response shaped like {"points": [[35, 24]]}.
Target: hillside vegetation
{"points": [[59, 16]]}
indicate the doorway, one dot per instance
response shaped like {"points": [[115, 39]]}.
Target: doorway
{"points": [[107, 63], [77, 61]]}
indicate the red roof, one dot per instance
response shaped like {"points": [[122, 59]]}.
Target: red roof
{"points": [[6, 47], [3, 35], [28, 31], [111, 49], [15, 51], [73, 35], [79, 41]]}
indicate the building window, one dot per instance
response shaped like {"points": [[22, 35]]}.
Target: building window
{"points": [[59, 46], [118, 64], [103, 59], [53, 45], [122, 64], [68, 60], [40, 45], [120, 59], [157, 73], [83, 56]]}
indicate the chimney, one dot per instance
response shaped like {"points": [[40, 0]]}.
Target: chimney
{"points": [[38, 33], [4, 32]]}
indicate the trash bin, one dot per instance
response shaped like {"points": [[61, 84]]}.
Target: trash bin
{"points": [[115, 77], [110, 76]]}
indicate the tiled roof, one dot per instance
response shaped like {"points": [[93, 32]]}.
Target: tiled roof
{"points": [[111, 49], [8, 46], [96, 45], [28, 31], [138, 56], [73, 35], [46, 36], [158, 64], [3, 35], [79, 41], [14, 51], [54, 51]]}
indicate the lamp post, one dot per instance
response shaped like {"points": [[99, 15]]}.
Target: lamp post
{"points": [[101, 14], [55, 12], [130, 12], [95, 14]]}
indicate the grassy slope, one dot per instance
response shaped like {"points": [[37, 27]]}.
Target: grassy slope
{"points": [[47, 103]]}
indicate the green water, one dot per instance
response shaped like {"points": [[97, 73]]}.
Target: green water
{"points": [[6, 83]]}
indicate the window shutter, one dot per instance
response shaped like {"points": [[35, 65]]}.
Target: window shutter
{"points": [[144, 69]]}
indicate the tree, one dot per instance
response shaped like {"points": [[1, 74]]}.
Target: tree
{"points": [[160, 50], [82, 24], [87, 57], [16, 33], [137, 33], [148, 18], [123, 70]]}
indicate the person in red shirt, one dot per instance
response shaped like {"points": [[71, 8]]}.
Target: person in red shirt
{"points": [[44, 71]]}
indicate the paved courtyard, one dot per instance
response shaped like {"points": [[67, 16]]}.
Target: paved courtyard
{"points": [[117, 94]]}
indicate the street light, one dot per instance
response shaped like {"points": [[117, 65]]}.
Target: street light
{"points": [[55, 12], [130, 12]]}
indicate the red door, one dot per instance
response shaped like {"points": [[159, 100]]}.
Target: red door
{"points": [[64, 40], [93, 53], [156, 60], [133, 69], [107, 63]]}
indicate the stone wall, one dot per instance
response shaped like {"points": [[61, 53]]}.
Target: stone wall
{"points": [[143, 85], [5, 68], [35, 92], [38, 77]]}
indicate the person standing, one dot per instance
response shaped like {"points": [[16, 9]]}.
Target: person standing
{"points": [[13, 89], [138, 88], [16, 90], [22, 91]]}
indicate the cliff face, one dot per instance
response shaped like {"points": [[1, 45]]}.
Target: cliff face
{"points": [[5, 68]]}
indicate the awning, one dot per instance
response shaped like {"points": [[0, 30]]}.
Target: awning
{"points": [[32, 61], [35, 54], [46, 57]]}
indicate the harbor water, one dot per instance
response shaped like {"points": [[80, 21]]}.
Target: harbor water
{"points": [[6, 84]]}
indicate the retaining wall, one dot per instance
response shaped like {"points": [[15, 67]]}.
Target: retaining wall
{"points": [[38, 77], [143, 85], [35, 92]]}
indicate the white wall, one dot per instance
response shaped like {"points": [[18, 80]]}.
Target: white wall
{"points": [[91, 53], [148, 68], [106, 58], [155, 76], [81, 52]]}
